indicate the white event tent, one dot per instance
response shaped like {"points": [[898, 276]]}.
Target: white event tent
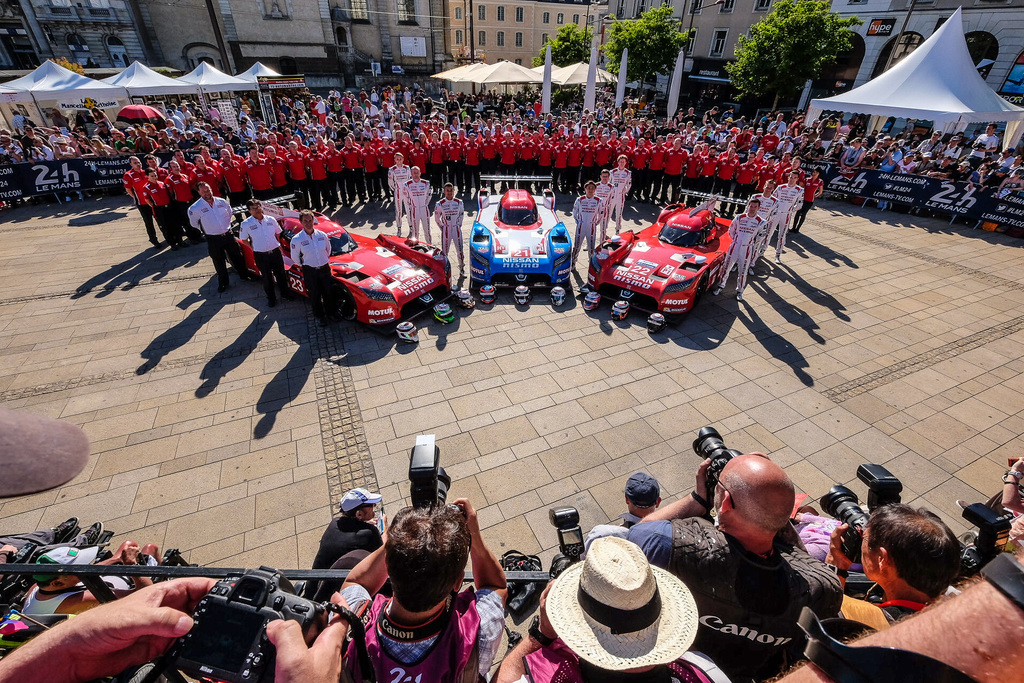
{"points": [[210, 79], [56, 86], [139, 79], [256, 71], [937, 82]]}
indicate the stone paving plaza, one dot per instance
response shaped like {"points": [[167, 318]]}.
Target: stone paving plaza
{"points": [[229, 430]]}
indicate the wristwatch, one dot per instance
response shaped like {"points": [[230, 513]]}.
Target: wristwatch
{"points": [[1016, 476], [841, 573], [536, 633]]}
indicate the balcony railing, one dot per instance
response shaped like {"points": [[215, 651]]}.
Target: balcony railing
{"points": [[105, 15]]}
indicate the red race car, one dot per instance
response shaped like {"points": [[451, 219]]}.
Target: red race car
{"points": [[666, 267], [378, 281]]}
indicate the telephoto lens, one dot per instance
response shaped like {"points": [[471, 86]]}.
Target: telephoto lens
{"points": [[709, 444], [841, 503]]}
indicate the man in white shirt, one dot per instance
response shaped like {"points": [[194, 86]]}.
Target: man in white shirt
{"points": [[787, 197], [603, 191], [586, 212], [212, 215], [311, 249], [398, 176], [262, 233], [744, 231]]}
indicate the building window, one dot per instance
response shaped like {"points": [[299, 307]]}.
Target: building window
{"points": [[545, 18], [718, 42], [762, 5], [272, 10], [481, 13], [576, 19], [406, 11], [544, 37], [727, 7], [342, 36], [519, 38], [590, 20], [288, 66], [559, 18], [500, 40], [520, 15], [118, 53], [621, 11], [458, 14], [481, 38], [641, 7], [458, 37], [693, 41], [77, 45], [360, 12], [519, 62], [501, 13]]}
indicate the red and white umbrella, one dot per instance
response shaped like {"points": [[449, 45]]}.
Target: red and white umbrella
{"points": [[141, 113]]}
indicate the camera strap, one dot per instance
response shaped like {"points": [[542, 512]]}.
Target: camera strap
{"points": [[846, 664], [358, 634], [412, 634]]}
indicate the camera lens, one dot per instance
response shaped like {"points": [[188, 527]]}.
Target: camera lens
{"points": [[841, 503], [444, 482], [708, 443]]}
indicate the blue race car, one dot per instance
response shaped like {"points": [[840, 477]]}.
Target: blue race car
{"points": [[519, 242]]}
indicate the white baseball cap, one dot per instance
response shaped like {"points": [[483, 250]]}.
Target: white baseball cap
{"points": [[357, 498]]}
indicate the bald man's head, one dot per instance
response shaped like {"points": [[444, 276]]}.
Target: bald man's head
{"points": [[762, 492]]}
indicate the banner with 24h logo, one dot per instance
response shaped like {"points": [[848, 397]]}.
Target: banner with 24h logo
{"points": [[955, 199], [64, 175]]}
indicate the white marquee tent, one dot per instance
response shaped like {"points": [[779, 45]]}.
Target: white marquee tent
{"points": [[210, 79], [257, 70], [139, 79], [51, 81], [937, 82]]}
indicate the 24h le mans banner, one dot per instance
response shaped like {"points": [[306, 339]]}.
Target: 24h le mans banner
{"points": [[63, 175]]}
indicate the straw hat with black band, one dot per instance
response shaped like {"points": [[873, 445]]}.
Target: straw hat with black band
{"points": [[617, 612]]}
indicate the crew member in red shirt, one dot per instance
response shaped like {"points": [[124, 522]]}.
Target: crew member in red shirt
{"points": [[278, 171], [508, 152], [181, 183], [372, 171], [545, 157], [257, 172], [589, 171], [574, 163], [335, 173], [727, 164], [489, 153], [693, 164], [316, 162], [813, 188], [211, 175], [135, 180], [233, 171], [296, 160], [638, 160], [675, 162], [158, 196], [354, 169], [746, 177], [561, 180], [708, 167], [656, 170], [472, 149]]}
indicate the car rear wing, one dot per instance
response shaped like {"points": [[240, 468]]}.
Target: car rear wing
{"points": [[515, 180], [278, 207]]}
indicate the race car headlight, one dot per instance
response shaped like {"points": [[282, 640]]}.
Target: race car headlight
{"points": [[681, 285], [377, 294]]}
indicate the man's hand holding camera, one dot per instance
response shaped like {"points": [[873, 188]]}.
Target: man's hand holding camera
{"points": [[836, 557], [108, 639], [299, 663]]}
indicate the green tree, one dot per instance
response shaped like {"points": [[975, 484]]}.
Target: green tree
{"points": [[792, 44], [654, 41], [571, 45]]}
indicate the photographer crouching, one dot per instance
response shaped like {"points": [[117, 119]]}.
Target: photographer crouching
{"points": [[911, 554], [749, 575]]}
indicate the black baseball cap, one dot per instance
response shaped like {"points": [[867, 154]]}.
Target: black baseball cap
{"points": [[643, 490]]}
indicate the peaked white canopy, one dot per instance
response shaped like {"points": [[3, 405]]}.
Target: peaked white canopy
{"points": [[937, 82], [210, 79], [51, 81], [255, 71], [576, 74], [139, 79], [499, 72]]}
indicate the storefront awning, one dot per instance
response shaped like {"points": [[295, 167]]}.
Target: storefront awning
{"points": [[710, 79]]}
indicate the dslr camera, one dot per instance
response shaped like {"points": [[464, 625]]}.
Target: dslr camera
{"points": [[428, 481], [709, 444], [228, 641], [993, 535], [840, 502], [566, 520]]}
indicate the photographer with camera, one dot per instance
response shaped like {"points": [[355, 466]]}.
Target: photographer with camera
{"points": [[911, 554], [347, 540], [429, 629], [643, 496], [748, 575]]}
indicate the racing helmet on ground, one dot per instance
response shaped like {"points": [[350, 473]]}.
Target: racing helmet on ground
{"points": [[487, 294], [407, 332], [656, 322], [557, 296], [523, 295], [591, 301], [465, 299], [620, 310], [444, 313]]}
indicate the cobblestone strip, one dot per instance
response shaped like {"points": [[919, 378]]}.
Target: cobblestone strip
{"points": [[188, 361], [346, 452], [982, 275], [856, 387], [105, 288]]}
